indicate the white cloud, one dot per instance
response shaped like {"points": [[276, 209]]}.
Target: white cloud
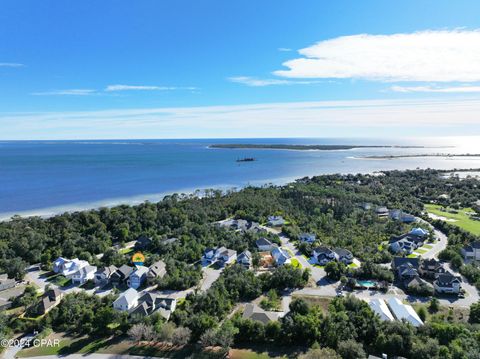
{"points": [[111, 88], [255, 82], [450, 89], [284, 49], [370, 118], [10, 64], [433, 56], [69, 92]]}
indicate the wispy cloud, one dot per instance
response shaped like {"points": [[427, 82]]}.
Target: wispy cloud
{"points": [[11, 64], [255, 82], [450, 89], [427, 56], [111, 88], [284, 49], [68, 92], [296, 119]]}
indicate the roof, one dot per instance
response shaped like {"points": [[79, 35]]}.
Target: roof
{"points": [[157, 268], [128, 296], [380, 307], [419, 232], [447, 279], [398, 261], [140, 270], [247, 254], [473, 245], [278, 253], [87, 269], [322, 250], [125, 271], [403, 311], [263, 242], [254, 312], [342, 252], [108, 271]]}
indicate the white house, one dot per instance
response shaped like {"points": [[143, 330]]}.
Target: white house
{"points": [[404, 311], [472, 251], [264, 245], [67, 267], [138, 276], [380, 307], [84, 274], [280, 256], [127, 300], [447, 283]]}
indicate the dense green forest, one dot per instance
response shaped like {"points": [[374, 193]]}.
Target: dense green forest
{"points": [[327, 206]]}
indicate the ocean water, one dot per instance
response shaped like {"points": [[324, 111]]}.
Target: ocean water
{"points": [[47, 177]]}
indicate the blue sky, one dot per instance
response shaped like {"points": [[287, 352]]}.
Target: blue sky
{"points": [[178, 69]]}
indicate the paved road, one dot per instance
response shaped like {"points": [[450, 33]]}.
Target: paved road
{"points": [[11, 352], [438, 246]]}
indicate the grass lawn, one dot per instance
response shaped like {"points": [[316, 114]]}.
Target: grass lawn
{"points": [[322, 302], [59, 280], [295, 263], [353, 265], [125, 250], [421, 251], [413, 255], [462, 219]]}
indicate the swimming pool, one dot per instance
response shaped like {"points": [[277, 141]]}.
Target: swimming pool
{"points": [[367, 283]]}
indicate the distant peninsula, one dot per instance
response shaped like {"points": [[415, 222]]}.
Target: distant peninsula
{"points": [[392, 157], [303, 147]]}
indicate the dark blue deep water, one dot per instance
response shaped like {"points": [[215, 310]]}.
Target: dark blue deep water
{"points": [[45, 177]]}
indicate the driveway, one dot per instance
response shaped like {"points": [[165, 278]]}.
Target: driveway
{"points": [[210, 275]]}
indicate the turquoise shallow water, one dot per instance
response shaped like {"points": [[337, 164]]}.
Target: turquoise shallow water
{"points": [[43, 177]]}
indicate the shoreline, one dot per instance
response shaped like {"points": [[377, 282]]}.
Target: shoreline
{"points": [[48, 212]]}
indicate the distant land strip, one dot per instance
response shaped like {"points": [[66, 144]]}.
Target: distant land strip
{"points": [[304, 147], [391, 157]]}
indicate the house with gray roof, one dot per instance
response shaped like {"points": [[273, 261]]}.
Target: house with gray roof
{"points": [[472, 251], [447, 283], [121, 275], [156, 270], [245, 258], [150, 303], [254, 312], [102, 276], [344, 255], [323, 255], [127, 300], [281, 256], [264, 245]]}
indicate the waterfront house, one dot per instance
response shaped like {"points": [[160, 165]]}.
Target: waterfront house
{"points": [[264, 245], [137, 277], [280, 256], [102, 276], [245, 259], [404, 312], [121, 275], [6, 283], [275, 221], [472, 251], [380, 307], [447, 283], [323, 255], [50, 299], [254, 312], [84, 274], [127, 300], [344, 255], [156, 270], [307, 237]]}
